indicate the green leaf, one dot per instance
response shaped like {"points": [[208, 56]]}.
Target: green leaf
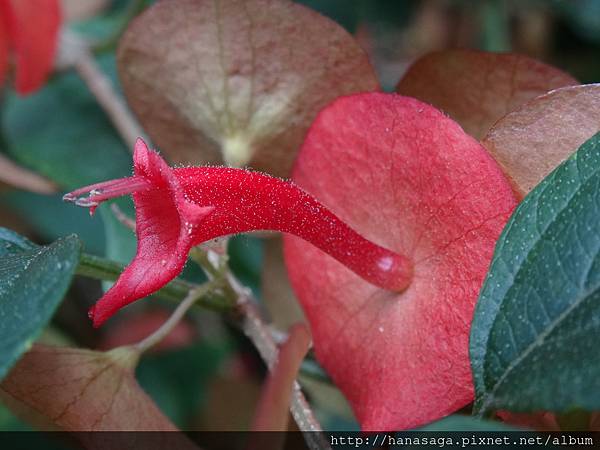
{"points": [[13, 243], [536, 327], [33, 281], [62, 133]]}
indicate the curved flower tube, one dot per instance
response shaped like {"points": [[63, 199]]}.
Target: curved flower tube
{"points": [[177, 209]]}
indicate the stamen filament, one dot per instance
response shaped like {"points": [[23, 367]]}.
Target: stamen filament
{"points": [[106, 190]]}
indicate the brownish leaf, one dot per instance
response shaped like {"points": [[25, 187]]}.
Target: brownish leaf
{"points": [[478, 88], [531, 141], [237, 81], [82, 390]]}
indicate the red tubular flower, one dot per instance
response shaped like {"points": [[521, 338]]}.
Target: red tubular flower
{"points": [[393, 330], [29, 28], [179, 208]]}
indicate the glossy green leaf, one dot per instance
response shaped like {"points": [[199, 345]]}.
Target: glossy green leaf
{"points": [[536, 327], [33, 281]]}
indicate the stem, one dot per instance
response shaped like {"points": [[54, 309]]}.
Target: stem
{"points": [[114, 106], [258, 332], [19, 177], [74, 52], [200, 257], [217, 294], [103, 269], [122, 217], [165, 329]]}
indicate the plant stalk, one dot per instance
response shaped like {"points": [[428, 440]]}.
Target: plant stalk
{"points": [[192, 297], [177, 290]]}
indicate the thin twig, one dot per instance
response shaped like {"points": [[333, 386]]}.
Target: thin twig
{"points": [[19, 177], [114, 106], [165, 329], [134, 8], [121, 217], [103, 269], [74, 51]]}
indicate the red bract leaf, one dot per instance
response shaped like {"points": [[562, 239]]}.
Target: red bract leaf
{"points": [[237, 81], [179, 208], [408, 178], [33, 27], [478, 88], [532, 140]]}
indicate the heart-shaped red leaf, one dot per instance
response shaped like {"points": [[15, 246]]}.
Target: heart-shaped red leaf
{"points": [[531, 141], [478, 88], [408, 178]]}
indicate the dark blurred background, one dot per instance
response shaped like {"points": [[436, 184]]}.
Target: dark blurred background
{"points": [[564, 33]]}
